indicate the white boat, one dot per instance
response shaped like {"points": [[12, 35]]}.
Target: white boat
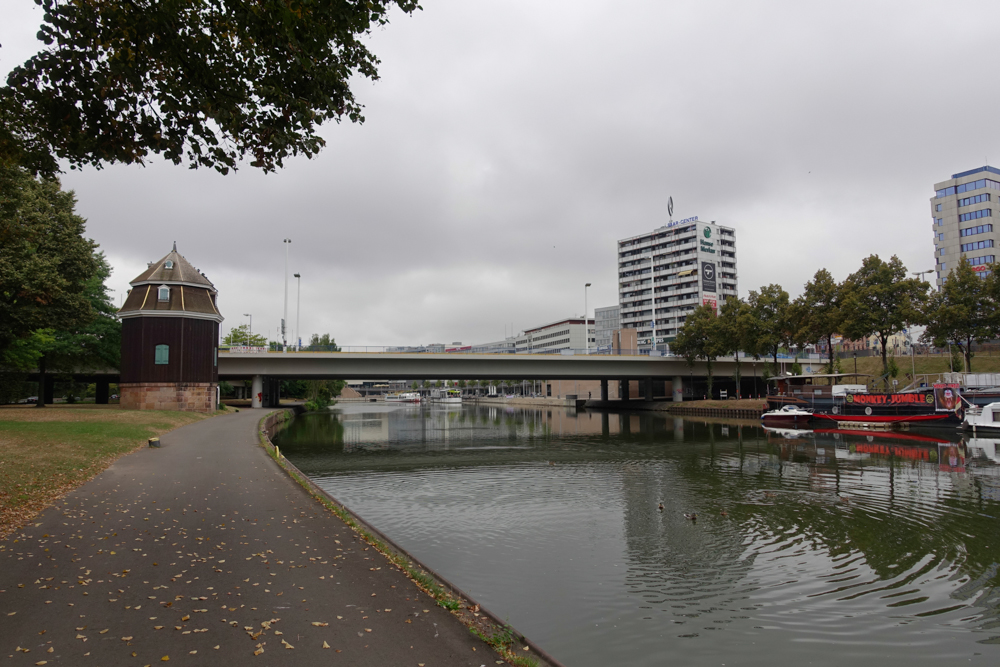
{"points": [[448, 396], [402, 397], [984, 419], [788, 415]]}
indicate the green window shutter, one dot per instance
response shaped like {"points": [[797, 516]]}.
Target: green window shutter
{"points": [[162, 354]]}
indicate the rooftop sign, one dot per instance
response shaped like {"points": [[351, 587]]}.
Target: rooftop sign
{"points": [[681, 222]]}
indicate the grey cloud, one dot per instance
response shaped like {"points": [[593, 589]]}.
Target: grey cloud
{"points": [[509, 144]]}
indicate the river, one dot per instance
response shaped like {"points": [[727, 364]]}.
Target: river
{"points": [[807, 548]]}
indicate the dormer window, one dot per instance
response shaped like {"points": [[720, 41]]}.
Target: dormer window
{"points": [[169, 264], [163, 293]]}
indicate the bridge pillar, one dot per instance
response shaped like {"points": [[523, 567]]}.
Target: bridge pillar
{"points": [[102, 391], [604, 390], [623, 390], [257, 392], [678, 390], [649, 388], [605, 424]]}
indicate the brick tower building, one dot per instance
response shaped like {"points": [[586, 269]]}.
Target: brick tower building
{"points": [[170, 335]]}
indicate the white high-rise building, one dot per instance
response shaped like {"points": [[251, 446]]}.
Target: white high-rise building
{"points": [[962, 212], [679, 266]]}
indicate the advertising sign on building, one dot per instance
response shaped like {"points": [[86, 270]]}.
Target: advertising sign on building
{"points": [[708, 277], [710, 301]]}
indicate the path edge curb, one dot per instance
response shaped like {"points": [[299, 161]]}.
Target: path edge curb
{"points": [[448, 595]]}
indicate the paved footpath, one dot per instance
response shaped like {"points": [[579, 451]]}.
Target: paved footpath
{"points": [[205, 552]]}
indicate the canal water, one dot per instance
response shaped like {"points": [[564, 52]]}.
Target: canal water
{"points": [[816, 548]]}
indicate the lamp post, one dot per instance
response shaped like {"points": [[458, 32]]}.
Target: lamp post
{"points": [[284, 317], [250, 330], [855, 366], [586, 325], [298, 308]]}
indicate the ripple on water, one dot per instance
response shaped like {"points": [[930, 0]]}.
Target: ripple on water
{"points": [[856, 559]]}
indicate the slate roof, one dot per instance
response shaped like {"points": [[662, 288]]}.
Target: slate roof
{"points": [[194, 294], [182, 272]]}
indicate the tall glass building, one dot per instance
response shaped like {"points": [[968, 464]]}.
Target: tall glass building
{"points": [[665, 274], [962, 212]]}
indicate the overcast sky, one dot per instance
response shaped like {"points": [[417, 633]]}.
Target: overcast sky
{"points": [[509, 144]]}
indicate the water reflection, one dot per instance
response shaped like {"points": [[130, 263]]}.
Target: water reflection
{"points": [[878, 546]]}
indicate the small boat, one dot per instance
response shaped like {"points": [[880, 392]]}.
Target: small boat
{"points": [[983, 420], [449, 396], [788, 415], [402, 397]]}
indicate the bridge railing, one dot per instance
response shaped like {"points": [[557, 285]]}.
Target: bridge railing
{"points": [[389, 349]]}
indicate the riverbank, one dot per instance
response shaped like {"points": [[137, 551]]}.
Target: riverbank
{"points": [[205, 545], [46, 452]]}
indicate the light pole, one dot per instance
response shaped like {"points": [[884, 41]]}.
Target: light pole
{"points": [[298, 307], [250, 330], [284, 317], [586, 326]]}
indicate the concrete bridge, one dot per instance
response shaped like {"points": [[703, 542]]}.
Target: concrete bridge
{"points": [[265, 369]]}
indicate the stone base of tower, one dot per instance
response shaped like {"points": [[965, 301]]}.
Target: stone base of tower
{"points": [[179, 396]]}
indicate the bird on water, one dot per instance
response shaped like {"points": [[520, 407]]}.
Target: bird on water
{"points": [[660, 507], [692, 516]]}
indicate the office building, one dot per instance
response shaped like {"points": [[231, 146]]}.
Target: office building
{"points": [[962, 213], [673, 270], [606, 321], [568, 334]]}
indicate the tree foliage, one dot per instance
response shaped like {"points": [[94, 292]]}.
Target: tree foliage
{"points": [[770, 324], [735, 324], [878, 299], [51, 277], [701, 338], [241, 335], [324, 342], [818, 311], [962, 312], [208, 83]]}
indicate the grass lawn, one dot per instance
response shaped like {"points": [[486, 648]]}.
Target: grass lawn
{"points": [[46, 452]]}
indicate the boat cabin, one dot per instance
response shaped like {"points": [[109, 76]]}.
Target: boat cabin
{"points": [[825, 385]]}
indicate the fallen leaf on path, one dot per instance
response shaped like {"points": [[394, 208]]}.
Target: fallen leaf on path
{"points": [[325, 645]]}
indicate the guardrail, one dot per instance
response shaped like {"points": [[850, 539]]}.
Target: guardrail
{"points": [[388, 349]]}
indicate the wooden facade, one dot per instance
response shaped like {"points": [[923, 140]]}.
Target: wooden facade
{"points": [[192, 349]]}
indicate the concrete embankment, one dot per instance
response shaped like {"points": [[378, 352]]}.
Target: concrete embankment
{"points": [[204, 550]]}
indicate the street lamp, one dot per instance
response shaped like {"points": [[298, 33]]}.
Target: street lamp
{"points": [[284, 318], [298, 307], [250, 330], [586, 326]]}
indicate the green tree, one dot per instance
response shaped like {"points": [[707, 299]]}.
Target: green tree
{"points": [[209, 83], [878, 299], [770, 326], [326, 342], [818, 311], [700, 338], [241, 335], [962, 312], [46, 266], [735, 323]]}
